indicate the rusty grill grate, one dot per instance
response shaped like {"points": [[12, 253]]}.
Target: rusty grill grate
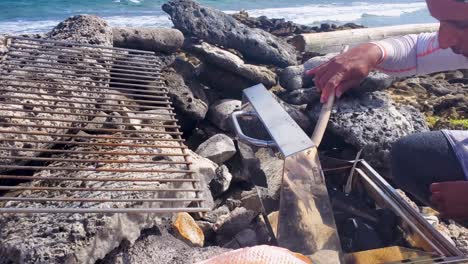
{"points": [[89, 129]]}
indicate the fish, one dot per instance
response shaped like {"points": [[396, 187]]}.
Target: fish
{"points": [[263, 254]]}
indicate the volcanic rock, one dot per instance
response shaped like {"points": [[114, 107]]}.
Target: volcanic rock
{"points": [[372, 121], [301, 96], [263, 167], [220, 113], [238, 219], [231, 62], [151, 39], [86, 29], [294, 77], [218, 148], [228, 85], [221, 182], [188, 107], [245, 238], [157, 245], [216, 27]]}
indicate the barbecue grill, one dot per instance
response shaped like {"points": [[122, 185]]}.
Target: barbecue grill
{"points": [[89, 129]]}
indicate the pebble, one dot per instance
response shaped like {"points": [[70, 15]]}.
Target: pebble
{"points": [[188, 230]]}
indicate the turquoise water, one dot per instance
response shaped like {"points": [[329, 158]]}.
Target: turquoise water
{"points": [[30, 16]]}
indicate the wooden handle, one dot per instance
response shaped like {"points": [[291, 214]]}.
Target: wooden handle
{"points": [[324, 116]]}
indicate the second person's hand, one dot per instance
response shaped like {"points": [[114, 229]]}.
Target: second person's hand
{"points": [[346, 70]]}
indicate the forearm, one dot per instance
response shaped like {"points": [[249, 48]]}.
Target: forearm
{"points": [[417, 55]]}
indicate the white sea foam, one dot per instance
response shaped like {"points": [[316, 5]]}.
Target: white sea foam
{"points": [[307, 15], [312, 14]]}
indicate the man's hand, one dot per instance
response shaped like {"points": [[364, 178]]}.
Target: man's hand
{"points": [[451, 199], [346, 70]]}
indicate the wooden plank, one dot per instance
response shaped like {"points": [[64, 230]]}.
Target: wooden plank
{"points": [[328, 42]]}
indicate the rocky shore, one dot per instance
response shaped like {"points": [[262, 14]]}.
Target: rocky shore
{"points": [[209, 58]]}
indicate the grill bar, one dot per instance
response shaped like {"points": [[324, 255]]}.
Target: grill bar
{"points": [[17, 167], [84, 102], [44, 86], [87, 136], [90, 97], [153, 86], [95, 129], [91, 52], [102, 210], [62, 55], [81, 200], [92, 161], [119, 153], [78, 75], [81, 108], [12, 177], [17, 58], [86, 122], [61, 43], [153, 91], [20, 47], [91, 92], [61, 189], [91, 115], [94, 143]]}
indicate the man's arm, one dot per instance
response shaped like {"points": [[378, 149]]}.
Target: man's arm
{"points": [[402, 56], [417, 55]]}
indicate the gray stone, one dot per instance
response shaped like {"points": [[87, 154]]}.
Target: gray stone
{"points": [[220, 113], [219, 148], [232, 203], [264, 169], [297, 115], [221, 182], [201, 133], [219, 213], [372, 122], [188, 107], [245, 238], [231, 62], [152, 39], [294, 77], [238, 219], [228, 85], [105, 121], [86, 29], [158, 246], [375, 81], [250, 199], [301, 96], [216, 27], [205, 170]]}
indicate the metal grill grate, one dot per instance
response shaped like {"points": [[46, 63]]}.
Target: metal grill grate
{"points": [[89, 129]]}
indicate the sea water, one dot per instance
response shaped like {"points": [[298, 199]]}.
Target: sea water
{"points": [[35, 16]]}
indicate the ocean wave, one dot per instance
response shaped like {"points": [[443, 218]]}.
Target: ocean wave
{"points": [[313, 14], [306, 15], [26, 27]]}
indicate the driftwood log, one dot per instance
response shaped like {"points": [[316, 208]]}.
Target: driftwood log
{"points": [[328, 42]]}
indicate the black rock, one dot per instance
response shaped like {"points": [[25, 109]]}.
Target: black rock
{"points": [[360, 236], [216, 27]]}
